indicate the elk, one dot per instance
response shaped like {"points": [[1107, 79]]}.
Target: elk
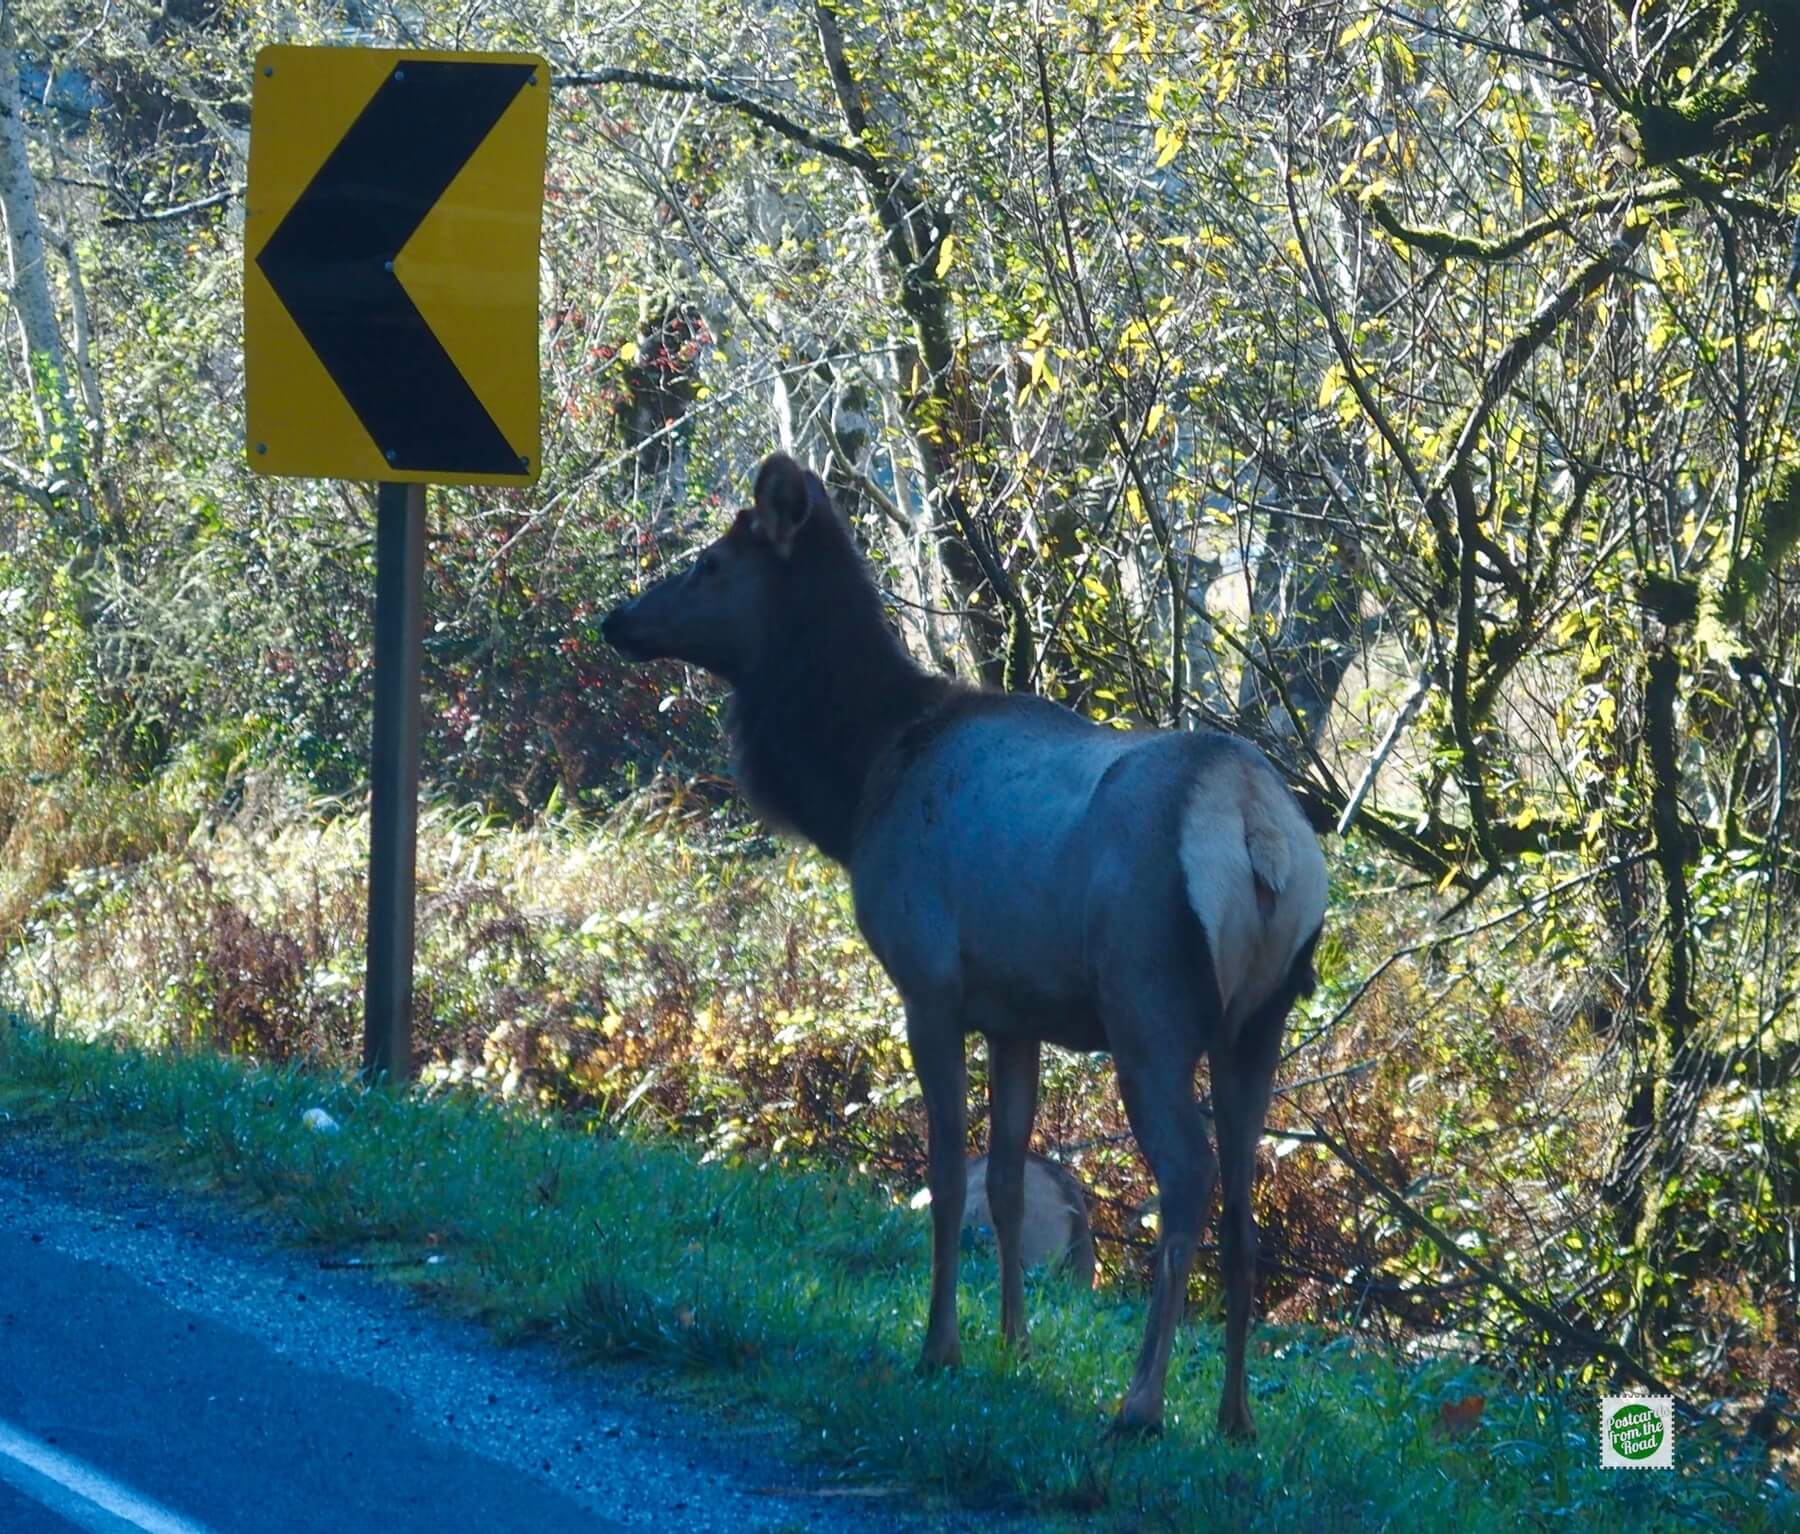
{"points": [[1022, 873], [1053, 1223]]}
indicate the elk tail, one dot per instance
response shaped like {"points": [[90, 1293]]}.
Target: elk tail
{"points": [[1270, 849]]}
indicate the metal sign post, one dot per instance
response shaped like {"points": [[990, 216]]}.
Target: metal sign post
{"points": [[394, 774], [390, 334]]}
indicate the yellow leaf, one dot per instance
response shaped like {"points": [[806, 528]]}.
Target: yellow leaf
{"points": [[946, 254], [628, 352], [1157, 412], [1177, 137]]}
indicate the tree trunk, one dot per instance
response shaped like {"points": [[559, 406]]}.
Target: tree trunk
{"points": [[53, 404], [1305, 623], [940, 406], [1671, 1075]]}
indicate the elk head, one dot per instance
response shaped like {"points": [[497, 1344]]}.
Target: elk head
{"points": [[722, 612]]}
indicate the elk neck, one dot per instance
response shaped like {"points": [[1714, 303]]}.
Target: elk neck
{"points": [[831, 693]]}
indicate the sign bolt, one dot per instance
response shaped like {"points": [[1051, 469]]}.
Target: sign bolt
{"points": [[268, 71], [399, 74], [524, 464], [391, 455], [262, 447], [388, 265]]}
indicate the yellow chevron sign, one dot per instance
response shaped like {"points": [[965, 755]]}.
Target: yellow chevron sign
{"points": [[391, 264]]}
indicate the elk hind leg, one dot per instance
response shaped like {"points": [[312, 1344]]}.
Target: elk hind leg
{"points": [[1242, 1076], [1159, 1101]]}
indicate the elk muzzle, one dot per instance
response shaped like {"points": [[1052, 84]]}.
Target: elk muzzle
{"points": [[623, 630]]}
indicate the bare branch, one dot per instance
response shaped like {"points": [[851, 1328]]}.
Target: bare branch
{"points": [[1571, 1330], [1409, 705], [1542, 325], [723, 95], [178, 210]]}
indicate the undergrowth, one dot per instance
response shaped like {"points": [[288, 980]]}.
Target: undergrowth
{"points": [[665, 967]]}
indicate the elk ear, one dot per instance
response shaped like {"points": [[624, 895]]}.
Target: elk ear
{"points": [[782, 504]]}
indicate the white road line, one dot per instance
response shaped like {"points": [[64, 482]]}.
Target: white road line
{"points": [[80, 1493]]}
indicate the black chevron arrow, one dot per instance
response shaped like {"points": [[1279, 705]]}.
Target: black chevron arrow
{"points": [[331, 263]]}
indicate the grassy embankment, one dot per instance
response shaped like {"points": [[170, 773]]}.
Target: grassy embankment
{"points": [[803, 1293]]}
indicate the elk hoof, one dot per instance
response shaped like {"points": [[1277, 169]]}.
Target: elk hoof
{"points": [[1235, 1423], [940, 1355], [1137, 1420]]}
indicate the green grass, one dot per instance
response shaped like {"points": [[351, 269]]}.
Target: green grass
{"points": [[805, 1294]]}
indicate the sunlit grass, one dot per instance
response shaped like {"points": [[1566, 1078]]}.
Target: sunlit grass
{"points": [[804, 1292]]}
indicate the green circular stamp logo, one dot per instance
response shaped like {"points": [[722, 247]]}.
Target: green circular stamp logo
{"points": [[1636, 1432]]}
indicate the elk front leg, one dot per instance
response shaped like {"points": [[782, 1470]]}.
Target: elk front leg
{"points": [[1012, 1105], [937, 1050], [1159, 1101]]}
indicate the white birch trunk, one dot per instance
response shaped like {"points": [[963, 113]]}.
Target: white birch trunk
{"points": [[46, 368]]}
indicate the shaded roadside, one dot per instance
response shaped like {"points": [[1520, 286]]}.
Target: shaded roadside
{"points": [[158, 1337]]}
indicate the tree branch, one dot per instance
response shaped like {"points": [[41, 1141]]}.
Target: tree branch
{"points": [[1444, 244], [914, 235], [723, 95], [14, 476], [1115, 422], [1353, 375], [179, 210], [1591, 1341], [1468, 767], [1517, 352], [1409, 705]]}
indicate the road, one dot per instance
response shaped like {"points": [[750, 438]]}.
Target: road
{"points": [[209, 1420], [163, 1370]]}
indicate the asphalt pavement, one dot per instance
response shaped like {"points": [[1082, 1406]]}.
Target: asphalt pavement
{"points": [[19, 1514], [165, 1369], [209, 1422]]}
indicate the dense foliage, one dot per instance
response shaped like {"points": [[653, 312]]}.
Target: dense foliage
{"points": [[1413, 391]]}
